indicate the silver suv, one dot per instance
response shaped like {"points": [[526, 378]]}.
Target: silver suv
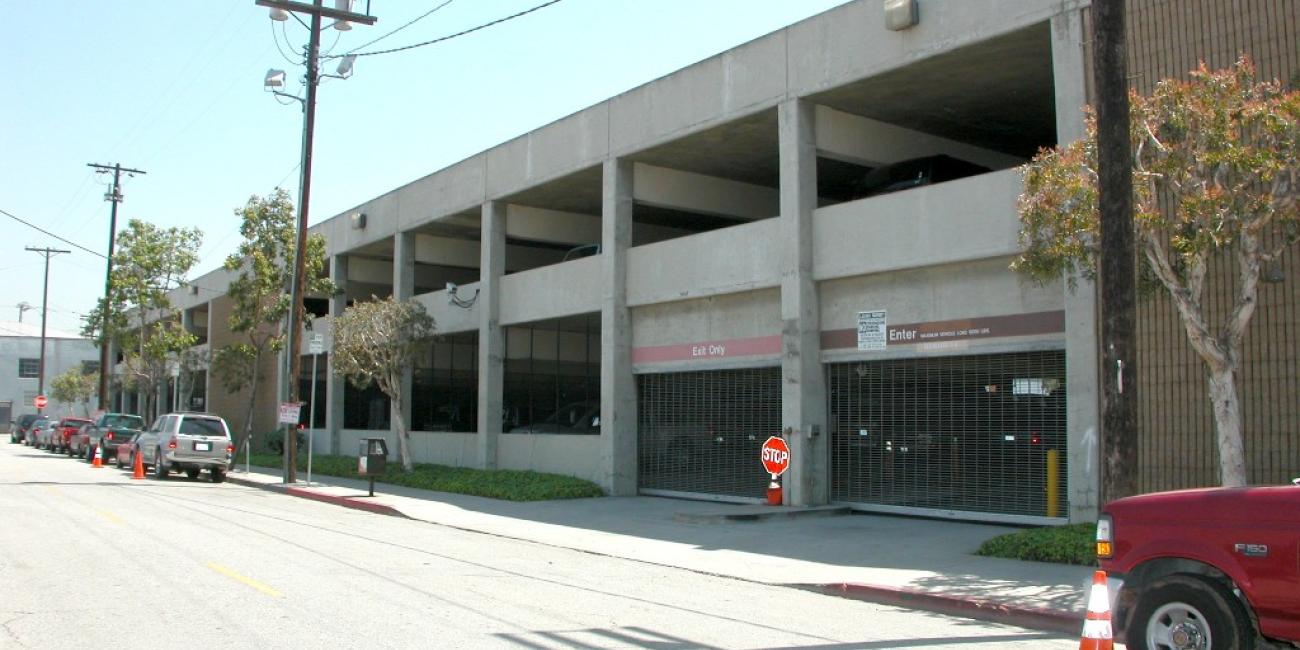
{"points": [[189, 442]]}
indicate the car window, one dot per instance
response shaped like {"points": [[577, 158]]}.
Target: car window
{"points": [[124, 421], [157, 424], [202, 427]]}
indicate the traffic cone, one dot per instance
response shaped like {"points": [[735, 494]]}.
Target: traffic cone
{"points": [[1096, 627], [774, 494], [99, 457], [139, 467]]}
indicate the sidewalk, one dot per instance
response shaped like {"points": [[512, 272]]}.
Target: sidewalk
{"points": [[914, 563]]}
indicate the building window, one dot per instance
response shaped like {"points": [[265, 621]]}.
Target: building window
{"points": [[89, 367], [29, 368]]}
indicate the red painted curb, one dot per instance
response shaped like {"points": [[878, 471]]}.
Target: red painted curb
{"points": [[1048, 620], [302, 493]]}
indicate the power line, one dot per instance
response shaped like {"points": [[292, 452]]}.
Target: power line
{"points": [[66, 241], [448, 37], [408, 24]]}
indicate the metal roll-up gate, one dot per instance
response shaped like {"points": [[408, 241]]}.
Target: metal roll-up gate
{"points": [[952, 436], [699, 433]]}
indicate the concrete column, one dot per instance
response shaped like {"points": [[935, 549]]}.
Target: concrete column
{"points": [[491, 337], [618, 420], [181, 401], [334, 385], [403, 289], [1083, 406], [207, 365], [803, 383]]}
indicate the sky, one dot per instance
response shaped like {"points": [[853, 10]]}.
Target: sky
{"points": [[174, 88]]}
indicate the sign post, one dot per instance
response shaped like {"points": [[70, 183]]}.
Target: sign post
{"points": [[776, 460], [316, 346]]}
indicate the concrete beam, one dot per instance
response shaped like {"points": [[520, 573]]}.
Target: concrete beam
{"points": [[803, 385], [491, 336], [618, 422], [1082, 338], [334, 385], [679, 190], [873, 143]]}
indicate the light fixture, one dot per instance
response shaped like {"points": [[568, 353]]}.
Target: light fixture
{"points": [[279, 15], [457, 300], [274, 78], [901, 14], [345, 66], [343, 25]]}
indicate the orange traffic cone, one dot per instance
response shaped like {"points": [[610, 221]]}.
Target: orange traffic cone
{"points": [[99, 457], [139, 467], [1096, 627]]}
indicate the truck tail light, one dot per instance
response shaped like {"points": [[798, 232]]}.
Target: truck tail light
{"points": [[108, 436], [172, 444], [1105, 538], [230, 449]]}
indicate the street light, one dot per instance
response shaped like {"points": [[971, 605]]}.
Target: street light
{"points": [[341, 12]]}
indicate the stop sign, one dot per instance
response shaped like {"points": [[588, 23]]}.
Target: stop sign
{"points": [[776, 456], [40, 401]]}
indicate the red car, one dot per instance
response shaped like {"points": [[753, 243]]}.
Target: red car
{"points": [[64, 430], [126, 452]]}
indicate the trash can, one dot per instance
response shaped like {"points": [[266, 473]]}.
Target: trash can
{"points": [[372, 459]]}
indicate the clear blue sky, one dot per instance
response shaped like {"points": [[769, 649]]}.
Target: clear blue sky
{"points": [[175, 88]]}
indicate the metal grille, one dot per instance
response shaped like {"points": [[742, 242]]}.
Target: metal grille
{"points": [[701, 432], [978, 433]]}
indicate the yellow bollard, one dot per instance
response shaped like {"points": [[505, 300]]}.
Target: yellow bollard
{"points": [[1053, 474]]}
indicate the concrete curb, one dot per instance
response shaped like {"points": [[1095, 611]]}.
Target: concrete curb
{"points": [[302, 493], [1047, 620]]}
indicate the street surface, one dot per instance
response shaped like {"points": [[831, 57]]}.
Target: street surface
{"points": [[89, 557]]}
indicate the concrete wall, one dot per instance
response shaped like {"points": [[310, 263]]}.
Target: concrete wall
{"points": [[551, 291], [234, 406], [730, 260], [60, 356], [572, 455]]}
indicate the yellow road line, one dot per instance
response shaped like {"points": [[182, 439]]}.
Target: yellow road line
{"points": [[248, 581], [111, 517]]}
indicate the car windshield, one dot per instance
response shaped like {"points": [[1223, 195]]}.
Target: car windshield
{"points": [[124, 421], [202, 427], [73, 422]]}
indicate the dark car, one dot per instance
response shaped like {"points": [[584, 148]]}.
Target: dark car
{"points": [[915, 173], [21, 426], [108, 431]]}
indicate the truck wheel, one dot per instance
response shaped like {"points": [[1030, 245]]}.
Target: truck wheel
{"points": [[218, 474], [192, 473], [1187, 612]]}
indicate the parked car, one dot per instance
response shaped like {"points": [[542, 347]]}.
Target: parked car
{"points": [[914, 173], [1209, 568], [127, 451], [578, 417], [38, 434], [18, 432], [108, 430], [189, 442], [63, 432]]}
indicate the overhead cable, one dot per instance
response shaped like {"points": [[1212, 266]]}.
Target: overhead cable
{"points": [[450, 36]]}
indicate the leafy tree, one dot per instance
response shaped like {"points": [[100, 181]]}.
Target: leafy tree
{"points": [[149, 262], [260, 292], [377, 341], [1216, 162], [73, 387]]}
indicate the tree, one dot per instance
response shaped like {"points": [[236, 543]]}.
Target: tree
{"points": [[264, 263], [73, 387], [1216, 162], [149, 262], [377, 341]]}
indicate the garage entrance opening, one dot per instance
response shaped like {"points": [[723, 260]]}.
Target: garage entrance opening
{"points": [[973, 434], [700, 433]]}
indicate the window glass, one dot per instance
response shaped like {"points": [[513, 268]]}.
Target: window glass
{"points": [[29, 368], [202, 427]]}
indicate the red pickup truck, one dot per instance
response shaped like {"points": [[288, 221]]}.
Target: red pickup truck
{"points": [[1207, 569]]}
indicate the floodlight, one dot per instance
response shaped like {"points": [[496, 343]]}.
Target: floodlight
{"points": [[274, 78], [345, 65]]}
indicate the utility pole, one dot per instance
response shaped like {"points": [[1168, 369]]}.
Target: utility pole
{"points": [[45, 295], [1118, 281], [114, 195], [297, 311]]}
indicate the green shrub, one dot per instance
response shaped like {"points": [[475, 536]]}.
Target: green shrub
{"points": [[1074, 544], [509, 485]]}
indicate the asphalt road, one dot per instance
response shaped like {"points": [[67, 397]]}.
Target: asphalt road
{"points": [[89, 557]]}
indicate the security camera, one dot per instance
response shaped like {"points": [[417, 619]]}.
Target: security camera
{"points": [[451, 288]]}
